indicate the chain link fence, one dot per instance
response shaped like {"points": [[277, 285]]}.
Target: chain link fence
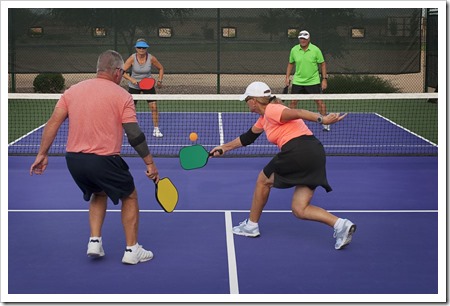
{"points": [[208, 51]]}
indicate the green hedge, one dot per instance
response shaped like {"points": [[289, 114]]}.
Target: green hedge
{"points": [[359, 84], [49, 83]]}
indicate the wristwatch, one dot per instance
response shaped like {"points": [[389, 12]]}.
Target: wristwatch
{"points": [[320, 119]]}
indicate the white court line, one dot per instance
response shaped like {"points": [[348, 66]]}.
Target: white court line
{"points": [[221, 133], [405, 129], [27, 134], [222, 211], [231, 252], [232, 266]]}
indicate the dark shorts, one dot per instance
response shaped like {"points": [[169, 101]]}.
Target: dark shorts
{"points": [[134, 91], [301, 161], [312, 89], [94, 173]]}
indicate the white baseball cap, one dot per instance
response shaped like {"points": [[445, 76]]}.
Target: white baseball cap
{"points": [[303, 34], [256, 89]]}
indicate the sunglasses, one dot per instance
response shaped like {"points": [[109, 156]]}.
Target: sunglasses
{"points": [[141, 48]]}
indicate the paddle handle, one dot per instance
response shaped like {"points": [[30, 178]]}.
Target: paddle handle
{"points": [[220, 152]]}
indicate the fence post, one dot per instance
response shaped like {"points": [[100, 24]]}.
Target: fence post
{"points": [[431, 49], [218, 51], [12, 50]]}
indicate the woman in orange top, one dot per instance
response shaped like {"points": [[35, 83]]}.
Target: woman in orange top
{"points": [[299, 164]]}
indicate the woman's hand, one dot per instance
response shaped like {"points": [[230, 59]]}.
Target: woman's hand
{"points": [[333, 118], [217, 151]]}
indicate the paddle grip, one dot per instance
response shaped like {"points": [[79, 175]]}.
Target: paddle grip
{"points": [[220, 152]]}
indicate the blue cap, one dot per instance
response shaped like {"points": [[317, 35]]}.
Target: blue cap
{"points": [[141, 44]]}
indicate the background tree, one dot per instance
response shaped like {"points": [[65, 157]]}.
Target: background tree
{"points": [[327, 22], [126, 22]]}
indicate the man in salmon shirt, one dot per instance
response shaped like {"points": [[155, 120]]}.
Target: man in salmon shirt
{"points": [[300, 164], [99, 110]]}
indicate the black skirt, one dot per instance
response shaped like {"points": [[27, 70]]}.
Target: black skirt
{"points": [[301, 161]]}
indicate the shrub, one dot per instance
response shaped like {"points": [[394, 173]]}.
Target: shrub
{"points": [[49, 83], [359, 84]]}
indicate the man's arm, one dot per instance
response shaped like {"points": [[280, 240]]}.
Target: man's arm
{"points": [[48, 136], [323, 68], [289, 68], [137, 140], [51, 129]]}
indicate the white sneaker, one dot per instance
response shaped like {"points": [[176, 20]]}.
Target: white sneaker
{"points": [[344, 235], [326, 127], [95, 248], [139, 255], [243, 229], [157, 132]]}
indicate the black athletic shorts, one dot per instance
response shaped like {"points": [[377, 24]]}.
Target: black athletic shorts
{"points": [[134, 91], [312, 89], [301, 161], [95, 173]]}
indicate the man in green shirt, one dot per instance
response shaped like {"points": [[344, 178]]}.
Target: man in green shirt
{"points": [[307, 58]]}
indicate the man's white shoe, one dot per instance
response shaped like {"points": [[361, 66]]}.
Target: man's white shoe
{"points": [[139, 255], [95, 248]]}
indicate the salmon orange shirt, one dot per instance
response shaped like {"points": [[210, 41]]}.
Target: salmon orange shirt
{"points": [[278, 132], [96, 109]]}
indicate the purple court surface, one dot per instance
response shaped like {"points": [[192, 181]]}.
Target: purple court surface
{"points": [[394, 252]]}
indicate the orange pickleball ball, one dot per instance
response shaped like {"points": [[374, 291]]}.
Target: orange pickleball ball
{"points": [[193, 136]]}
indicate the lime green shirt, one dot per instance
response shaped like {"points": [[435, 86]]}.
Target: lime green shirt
{"points": [[306, 64]]}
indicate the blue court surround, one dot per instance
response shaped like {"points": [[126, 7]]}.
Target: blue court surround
{"points": [[393, 201]]}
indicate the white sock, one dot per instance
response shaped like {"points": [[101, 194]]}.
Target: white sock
{"points": [[339, 223], [251, 224], [95, 238], [156, 128], [133, 248]]}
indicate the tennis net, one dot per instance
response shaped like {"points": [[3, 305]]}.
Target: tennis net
{"points": [[377, 124]]}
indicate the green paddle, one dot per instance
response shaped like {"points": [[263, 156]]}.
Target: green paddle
{"points": [[194, 157]]}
